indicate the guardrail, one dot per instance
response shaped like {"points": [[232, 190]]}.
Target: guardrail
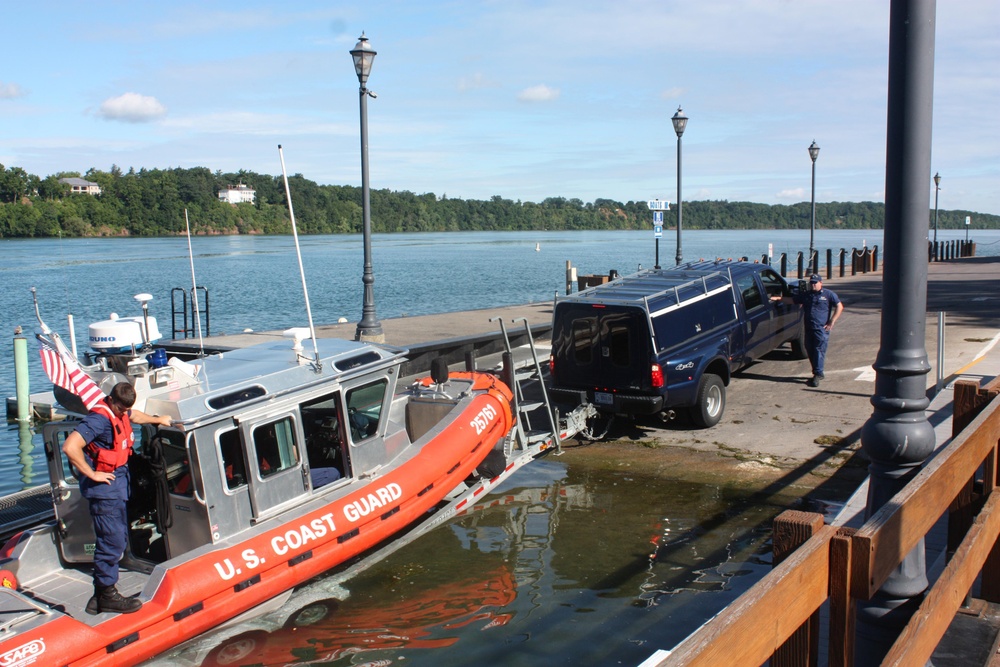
{"points": [[778, 619]]}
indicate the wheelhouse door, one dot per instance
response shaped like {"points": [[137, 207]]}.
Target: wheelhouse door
{"points": [[275, 462], [75, 530]]}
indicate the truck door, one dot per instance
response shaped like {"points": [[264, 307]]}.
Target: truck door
{"points": [[623, 349], [75, 530], [757, 325], [786, 316], [601, 348]]}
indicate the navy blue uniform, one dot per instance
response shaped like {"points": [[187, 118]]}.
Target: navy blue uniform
{"points": [[107, 503], [818, 307]]}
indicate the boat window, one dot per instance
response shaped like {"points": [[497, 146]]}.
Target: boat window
{"points": [[321, 425], [233, 464], [229, 400], [356, 361], [274, 447], [364, 406]]}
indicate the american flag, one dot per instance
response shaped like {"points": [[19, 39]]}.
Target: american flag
{"points": [[65, 372]]}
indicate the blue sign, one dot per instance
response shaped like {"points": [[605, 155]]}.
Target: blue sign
{"points": [[658, 231], [657, 217]]}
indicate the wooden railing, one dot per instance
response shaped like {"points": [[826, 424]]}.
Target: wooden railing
{"points": [[777, 618]]}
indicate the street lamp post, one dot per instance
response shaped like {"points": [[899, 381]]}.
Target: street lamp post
{"points": [[369, 328], [680, 122], [937, 189], [813, 154]]}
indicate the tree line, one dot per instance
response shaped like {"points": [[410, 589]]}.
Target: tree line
{"points": [[151, 202]]}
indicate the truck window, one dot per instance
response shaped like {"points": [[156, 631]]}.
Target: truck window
{"points": [[679, 325], [583, 340], [773, 284], [618, 339], [751, 292]]}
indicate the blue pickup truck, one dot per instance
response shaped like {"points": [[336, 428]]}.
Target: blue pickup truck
{"points": [[664, 340]]}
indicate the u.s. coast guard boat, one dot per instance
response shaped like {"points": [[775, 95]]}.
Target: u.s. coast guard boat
{"points": [[279, 466]]}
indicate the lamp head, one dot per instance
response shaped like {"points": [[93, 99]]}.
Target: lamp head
{"points": [[937, 180], [363, 55], [680, 122], [813, 150]]}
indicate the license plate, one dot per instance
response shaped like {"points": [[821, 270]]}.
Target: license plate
{"points": [[603, 398]]}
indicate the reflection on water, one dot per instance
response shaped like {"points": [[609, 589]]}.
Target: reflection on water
{"points": [[567, 564]]}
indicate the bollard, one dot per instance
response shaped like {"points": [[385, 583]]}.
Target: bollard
{"points": [[829, 263], [800, 259], [21, 377], [784, 265], [569, 278], [843, 257]]}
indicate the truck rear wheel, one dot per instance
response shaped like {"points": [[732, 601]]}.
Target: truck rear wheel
{"points": [[711, 401]]}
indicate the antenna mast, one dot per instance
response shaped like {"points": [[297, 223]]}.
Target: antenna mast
{"points": [[295, 235]]}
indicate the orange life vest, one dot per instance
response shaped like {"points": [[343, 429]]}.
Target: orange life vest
{"points": [[107, 460]]}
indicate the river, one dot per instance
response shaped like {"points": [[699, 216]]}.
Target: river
{"points": [[575, 564]]}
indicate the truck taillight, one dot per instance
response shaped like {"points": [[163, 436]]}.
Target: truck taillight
{"points": [[552, 367], [656, 376]]}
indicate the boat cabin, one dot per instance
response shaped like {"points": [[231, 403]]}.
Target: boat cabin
{"points": [[259, 430]]}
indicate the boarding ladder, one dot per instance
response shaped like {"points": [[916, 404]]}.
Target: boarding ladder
{"points": [[523, 378]]}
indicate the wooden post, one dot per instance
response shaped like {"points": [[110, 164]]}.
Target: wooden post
{"points": [[791, 529], [842, 608]]}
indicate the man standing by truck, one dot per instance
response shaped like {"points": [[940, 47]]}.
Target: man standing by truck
{"points": [[821, 309]]}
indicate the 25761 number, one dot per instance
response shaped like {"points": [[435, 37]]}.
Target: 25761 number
{"points": [[483, 419]]}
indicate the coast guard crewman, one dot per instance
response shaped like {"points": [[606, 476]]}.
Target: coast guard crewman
{"points": [[99, 449], [821, 309]]}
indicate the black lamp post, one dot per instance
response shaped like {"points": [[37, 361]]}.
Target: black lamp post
{"points": [[898, 437], [937, 189], [369, 328], [680, 122], [813, 154]]}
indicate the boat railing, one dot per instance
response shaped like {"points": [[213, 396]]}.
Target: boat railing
{"points": [[182, 311]]}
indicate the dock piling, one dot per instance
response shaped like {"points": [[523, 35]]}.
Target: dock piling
{"points": [[21, 377]]}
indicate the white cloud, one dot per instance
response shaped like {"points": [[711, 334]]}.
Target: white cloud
{"points": [[796, 194], [539, 93], [10, 91], [132, 108], [475, 82]]}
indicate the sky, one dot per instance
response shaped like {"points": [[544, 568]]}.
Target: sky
{"points": [[525, 99]]}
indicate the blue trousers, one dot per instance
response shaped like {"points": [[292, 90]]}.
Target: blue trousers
{"points": [[816, 341], [110, 516]]}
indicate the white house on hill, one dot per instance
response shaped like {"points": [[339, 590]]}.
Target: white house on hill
{"points": [[82, 187], [238, 194]]}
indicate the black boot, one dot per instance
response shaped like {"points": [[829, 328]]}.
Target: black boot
{"points": [[92, 607], [110, 600]]}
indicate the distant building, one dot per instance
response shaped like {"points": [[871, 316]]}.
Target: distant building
{"points": [[82, 187], [238, 194]]}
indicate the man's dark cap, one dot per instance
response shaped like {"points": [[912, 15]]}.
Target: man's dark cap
{"points": [[815, 278]]}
